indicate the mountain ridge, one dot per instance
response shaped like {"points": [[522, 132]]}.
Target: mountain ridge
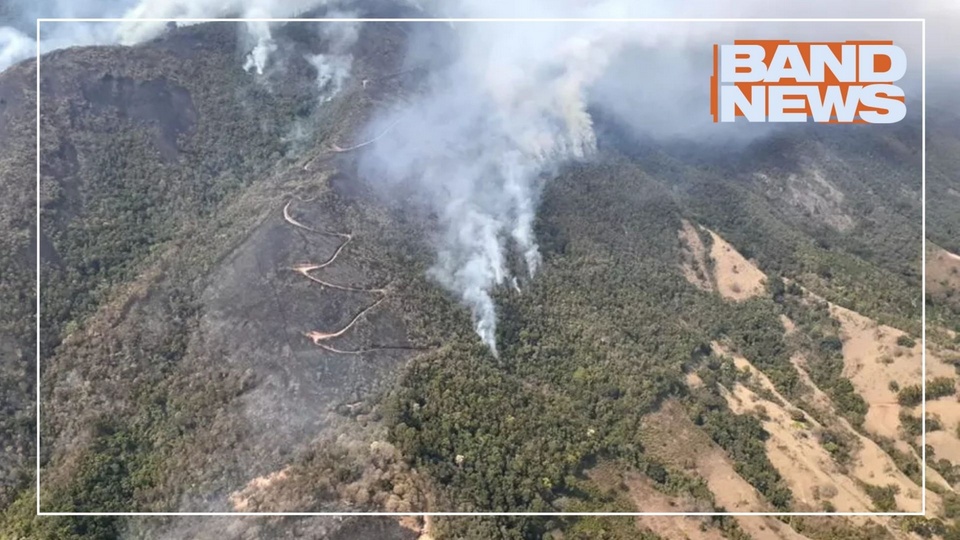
{"points": [[187, 362]]}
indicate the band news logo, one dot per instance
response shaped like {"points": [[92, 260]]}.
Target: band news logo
{"points": [[781, 81]]}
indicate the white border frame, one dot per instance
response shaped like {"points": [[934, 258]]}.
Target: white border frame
{"points": [[923, 206]]}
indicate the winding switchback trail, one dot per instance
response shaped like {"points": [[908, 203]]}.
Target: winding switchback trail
{"points": [[317, 337]]}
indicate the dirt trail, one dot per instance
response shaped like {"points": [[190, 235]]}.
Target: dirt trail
{"points": [[293, 221], [317, 337], [872, 359], [312, 267], [305, 270], [338, 149], [804, 463]]}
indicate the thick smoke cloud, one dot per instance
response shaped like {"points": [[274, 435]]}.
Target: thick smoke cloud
{"points": [[477, 146], [514, 105]]}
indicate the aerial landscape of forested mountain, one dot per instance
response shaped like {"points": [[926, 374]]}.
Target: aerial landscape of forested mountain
{"points": [[240, 310]]}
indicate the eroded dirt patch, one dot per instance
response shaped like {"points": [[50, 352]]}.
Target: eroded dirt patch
{"points": [[808, 469], [870, 463], [719, 267], [736, 277], [945, 441], [646, 498], [943, 272], [873, 359], [671, 437]]}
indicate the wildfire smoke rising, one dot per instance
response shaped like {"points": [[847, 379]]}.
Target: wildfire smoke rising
{"points": [[495, 123]]}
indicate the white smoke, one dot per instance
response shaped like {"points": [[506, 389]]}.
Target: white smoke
{"points": [[332, 71], [14, 46], [478, 145], [333, 67], [511, 109], [135, 32], [258, 58], [18, 39], [513, 106], [17, 17]]}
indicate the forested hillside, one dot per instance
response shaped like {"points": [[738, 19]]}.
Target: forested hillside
{"points": [[234, 318]]}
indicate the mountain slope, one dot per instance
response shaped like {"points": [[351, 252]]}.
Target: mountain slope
{"points": [[234, 319]]}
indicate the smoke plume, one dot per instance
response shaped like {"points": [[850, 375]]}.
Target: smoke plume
{"points": [[333, 67], [257, 58], [513, 106], [478, 145]]}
